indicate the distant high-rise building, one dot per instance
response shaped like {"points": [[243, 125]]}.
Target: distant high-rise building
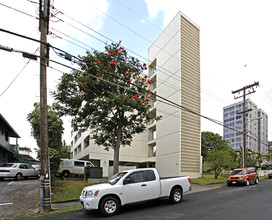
{"points": [[256, 127]]}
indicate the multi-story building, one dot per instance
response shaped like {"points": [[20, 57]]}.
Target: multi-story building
{"points": [[9, 147], [8, 151], [256, 126], [262, 132], [172, 144], [175, 70]]}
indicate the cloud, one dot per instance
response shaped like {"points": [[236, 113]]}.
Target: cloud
{"points": [[153, 7], [169, 9]]}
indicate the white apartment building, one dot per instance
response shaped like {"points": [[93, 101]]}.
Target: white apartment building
{"points": [[172, 144], [256, 126], [262, 132]]}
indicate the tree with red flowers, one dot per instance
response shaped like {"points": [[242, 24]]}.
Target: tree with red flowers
{"points": [[102, 97]]}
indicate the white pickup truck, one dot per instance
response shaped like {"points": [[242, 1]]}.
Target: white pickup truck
{"points": [[132, 186]]}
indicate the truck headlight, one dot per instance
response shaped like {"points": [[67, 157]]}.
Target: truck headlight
{"points": [[92, 193]]}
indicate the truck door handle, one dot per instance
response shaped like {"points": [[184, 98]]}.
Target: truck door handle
{"points": [[143, 185]]}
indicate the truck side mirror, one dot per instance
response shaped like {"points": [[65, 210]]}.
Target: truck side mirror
{"points": [[127, 181]]}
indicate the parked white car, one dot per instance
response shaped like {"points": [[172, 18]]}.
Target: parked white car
{"points": [[17, 171], [69, 167], [133, 186]]}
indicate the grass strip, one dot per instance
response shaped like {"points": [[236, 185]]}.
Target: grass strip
{"points": [[67, 190], [209, 179], [52, 213]]}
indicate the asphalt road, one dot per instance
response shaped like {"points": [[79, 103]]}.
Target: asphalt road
{"points": [[239, 202], [18, 197]]}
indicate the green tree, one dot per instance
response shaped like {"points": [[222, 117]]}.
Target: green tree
{"points": [[56, 148], [269, 147], [268, 157], [101, 97], [55, 126], [220, 160], [259, 158], [239, 156], [211, 142], [251, 158]]}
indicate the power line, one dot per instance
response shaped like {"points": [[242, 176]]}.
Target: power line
{"points": [[74, 40], [160, 68], [266, 96], [163, 100], [162, 82], [19, 11], [182, 107], [17, 75]]}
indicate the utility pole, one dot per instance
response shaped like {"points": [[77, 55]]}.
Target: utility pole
{"points": [[45, 185], [245, 93]]}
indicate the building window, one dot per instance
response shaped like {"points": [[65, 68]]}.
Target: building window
{"points": [[79, 164], [6, 136], [86, 142]]}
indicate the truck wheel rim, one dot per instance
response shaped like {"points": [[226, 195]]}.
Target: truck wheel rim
{"points": [[110, 206], [177, 196]]}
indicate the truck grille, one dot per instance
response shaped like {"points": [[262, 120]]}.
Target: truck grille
{"points": [[84, 193]]}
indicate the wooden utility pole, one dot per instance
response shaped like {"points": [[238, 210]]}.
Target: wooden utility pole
{"points": [[45, 185], [245, 92]]}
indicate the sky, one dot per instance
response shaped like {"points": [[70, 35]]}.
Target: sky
{"points": [[235, 49]]}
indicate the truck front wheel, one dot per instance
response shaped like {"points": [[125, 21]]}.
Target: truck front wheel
{"points": [[175, 196], [109, 206], [65, 173]]}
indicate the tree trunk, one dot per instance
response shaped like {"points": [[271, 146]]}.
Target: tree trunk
{"points": [[116, 152], [217, 172]]}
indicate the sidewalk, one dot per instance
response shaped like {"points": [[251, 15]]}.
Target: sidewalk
{"points": [[199, 188], [195, 188]]}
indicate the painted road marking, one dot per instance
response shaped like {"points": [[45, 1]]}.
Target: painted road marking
{"points": [[10, 203], [10, 183]]}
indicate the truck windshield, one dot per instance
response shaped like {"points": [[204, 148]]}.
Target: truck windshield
{"points": [[115, 178], [238, 172]]}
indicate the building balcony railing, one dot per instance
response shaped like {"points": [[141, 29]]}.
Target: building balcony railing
{"points": [[151, 122], [153, 102], [152, 71], [151, 137], [152, 154], [13, 148], [153, 86]]}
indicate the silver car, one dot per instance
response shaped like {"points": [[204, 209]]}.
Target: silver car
{"points": [[17, 171]]}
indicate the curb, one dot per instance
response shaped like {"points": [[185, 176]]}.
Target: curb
{"points": [[73, 200]]}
